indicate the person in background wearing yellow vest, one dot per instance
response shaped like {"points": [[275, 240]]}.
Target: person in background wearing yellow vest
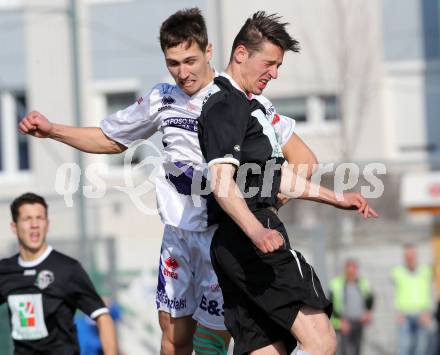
{"points": [[413, 300], [352, 304]]}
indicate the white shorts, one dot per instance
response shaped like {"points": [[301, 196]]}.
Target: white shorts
{"points": [[187, 284]]}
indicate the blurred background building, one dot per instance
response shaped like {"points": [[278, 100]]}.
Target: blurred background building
{"points": [[364, 89]]}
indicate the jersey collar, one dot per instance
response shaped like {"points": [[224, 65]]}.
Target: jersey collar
{"points": [[203, 90], [37, 261], [235, 85]]}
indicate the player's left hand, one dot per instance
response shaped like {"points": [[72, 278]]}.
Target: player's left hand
{"points": [[355, 201]]}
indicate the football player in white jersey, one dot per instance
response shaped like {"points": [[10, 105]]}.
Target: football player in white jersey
{"points": [[188, 296]]}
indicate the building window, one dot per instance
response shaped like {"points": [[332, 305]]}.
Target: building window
{"points": [[14, 147], [119, 101], [294, 107], [331, 108], [23, 141], [308, 111], [116, 102]]}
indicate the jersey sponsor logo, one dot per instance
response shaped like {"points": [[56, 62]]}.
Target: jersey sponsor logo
{"points": [[188, 124], [211, 306], [27, 317], [237, 148], [175, 303], [44, 279], [171, 265], [26, 314]]}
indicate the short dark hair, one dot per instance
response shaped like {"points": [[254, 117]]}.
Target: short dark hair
{"points": [[262, 27], [25, 199], [185, 26]]}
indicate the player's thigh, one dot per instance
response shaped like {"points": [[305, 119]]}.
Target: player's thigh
{"points": [[177, 330], [312, 326]]}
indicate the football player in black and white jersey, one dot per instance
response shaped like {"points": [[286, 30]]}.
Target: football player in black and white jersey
{"points": [[188, 296], [43, 289], [272, 296]]}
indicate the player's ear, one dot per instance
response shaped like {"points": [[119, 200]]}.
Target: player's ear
{"points": [[240, 54], [14, 227], [208, 52]]}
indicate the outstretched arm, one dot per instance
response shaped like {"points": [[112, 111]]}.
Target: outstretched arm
{"points": [[295, 186], [86, 139]]}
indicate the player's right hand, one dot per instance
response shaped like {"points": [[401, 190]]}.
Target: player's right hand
{"points": [[267, 240], [35, 124]]}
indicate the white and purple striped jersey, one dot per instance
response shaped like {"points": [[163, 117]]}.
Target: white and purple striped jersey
{"points": [[166, 108]]}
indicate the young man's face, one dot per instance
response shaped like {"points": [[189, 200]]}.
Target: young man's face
{"points": [[259, 67], [189, 66], [31, 227]]}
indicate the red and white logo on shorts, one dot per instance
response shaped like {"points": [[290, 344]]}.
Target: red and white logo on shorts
{"points": [[171, 265]]}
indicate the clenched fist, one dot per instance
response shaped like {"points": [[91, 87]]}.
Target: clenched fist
{"points": [[35, 124], [267, 240]]}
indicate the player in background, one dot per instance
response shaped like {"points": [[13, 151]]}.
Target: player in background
{"points": [[44, 288]]}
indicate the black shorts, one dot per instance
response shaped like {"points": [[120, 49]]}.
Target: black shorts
{"points": [[262, 292]]}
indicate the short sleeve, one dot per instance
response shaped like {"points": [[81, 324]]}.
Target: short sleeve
{"points": [[132, 123], [223, 132], [284, 127], [84, 294]]}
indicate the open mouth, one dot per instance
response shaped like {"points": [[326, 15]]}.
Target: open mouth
{"points": [[34, 237], [262, 83]]}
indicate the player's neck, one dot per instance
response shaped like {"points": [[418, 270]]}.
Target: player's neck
{"points": [[235, 73], [31, 255], [208, 78]]}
